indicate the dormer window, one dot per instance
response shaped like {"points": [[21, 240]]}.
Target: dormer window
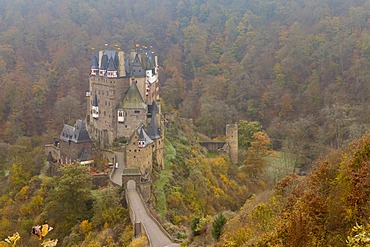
{"points": [[94, 71], [141, 144], [121, 117], [112, 74]]}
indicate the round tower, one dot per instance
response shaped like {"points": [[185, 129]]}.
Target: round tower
{"points": [[232, 142]]}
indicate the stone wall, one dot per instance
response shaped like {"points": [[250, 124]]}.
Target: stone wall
{"points": [[110, 92], [232, 141], [145, 190], [139, 157], [53, 170], [133, 119], [214, 146], [69, 151], [99, 180], [54, 151]]}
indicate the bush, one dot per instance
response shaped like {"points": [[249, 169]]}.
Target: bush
{"points": [[217, 226]]}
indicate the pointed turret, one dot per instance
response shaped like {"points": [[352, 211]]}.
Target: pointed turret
{"points": [[95, 107], [137, 69], [94, 64], [154, 131], [112, 69], [152, 109], [133, 99], [103, 65], [144, 139]]}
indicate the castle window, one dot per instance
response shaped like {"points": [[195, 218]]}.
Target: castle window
{"points": [[102, 92], [137, 111], [134, 157], [121, 118], [135, 150], [141, 144]]}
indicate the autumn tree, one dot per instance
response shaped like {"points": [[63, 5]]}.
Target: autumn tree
{"points": [[69, 201], [254, 164]]}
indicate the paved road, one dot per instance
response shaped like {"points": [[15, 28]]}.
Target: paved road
{"points": [[156, 236], [116, 175]]}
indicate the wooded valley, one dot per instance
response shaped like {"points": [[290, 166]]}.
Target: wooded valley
{"points": [[295, 76]]}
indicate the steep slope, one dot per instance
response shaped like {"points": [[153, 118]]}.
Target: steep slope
{"points": [[317, 210]]}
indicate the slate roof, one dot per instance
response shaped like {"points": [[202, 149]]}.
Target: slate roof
{"points": [[152, 109], [143, 136], [137, 68], [104, 62], [95, 61], [84, 155], [133, 99], [95, 101], [76, 133], [111, 65], [153, 130], [138, 61]]}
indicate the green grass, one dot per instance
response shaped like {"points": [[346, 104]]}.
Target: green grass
{"points": [[171, 152], [96, 193], [279, 165], [212, 155], [164, 178]]}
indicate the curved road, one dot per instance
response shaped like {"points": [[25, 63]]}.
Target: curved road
{"points": [[116, 175], [155, 235]]}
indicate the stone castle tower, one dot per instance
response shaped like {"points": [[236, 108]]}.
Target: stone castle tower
{"points": [[122, 91], [123, 113], [232, 141]]}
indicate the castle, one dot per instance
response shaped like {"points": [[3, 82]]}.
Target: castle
{"points": [[124, 120], [123, 116]]}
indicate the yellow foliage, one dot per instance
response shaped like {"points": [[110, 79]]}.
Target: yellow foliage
{"points": [[139, 242], [224, 179], [23, 194], [261, 144], [86, 226], [178, 219]]}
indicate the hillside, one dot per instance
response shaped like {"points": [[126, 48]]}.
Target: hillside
{"points": [[303, 76], [294, 75], [321, 209]]}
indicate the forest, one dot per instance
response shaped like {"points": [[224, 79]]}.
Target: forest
{"points": [[295, 76]]}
